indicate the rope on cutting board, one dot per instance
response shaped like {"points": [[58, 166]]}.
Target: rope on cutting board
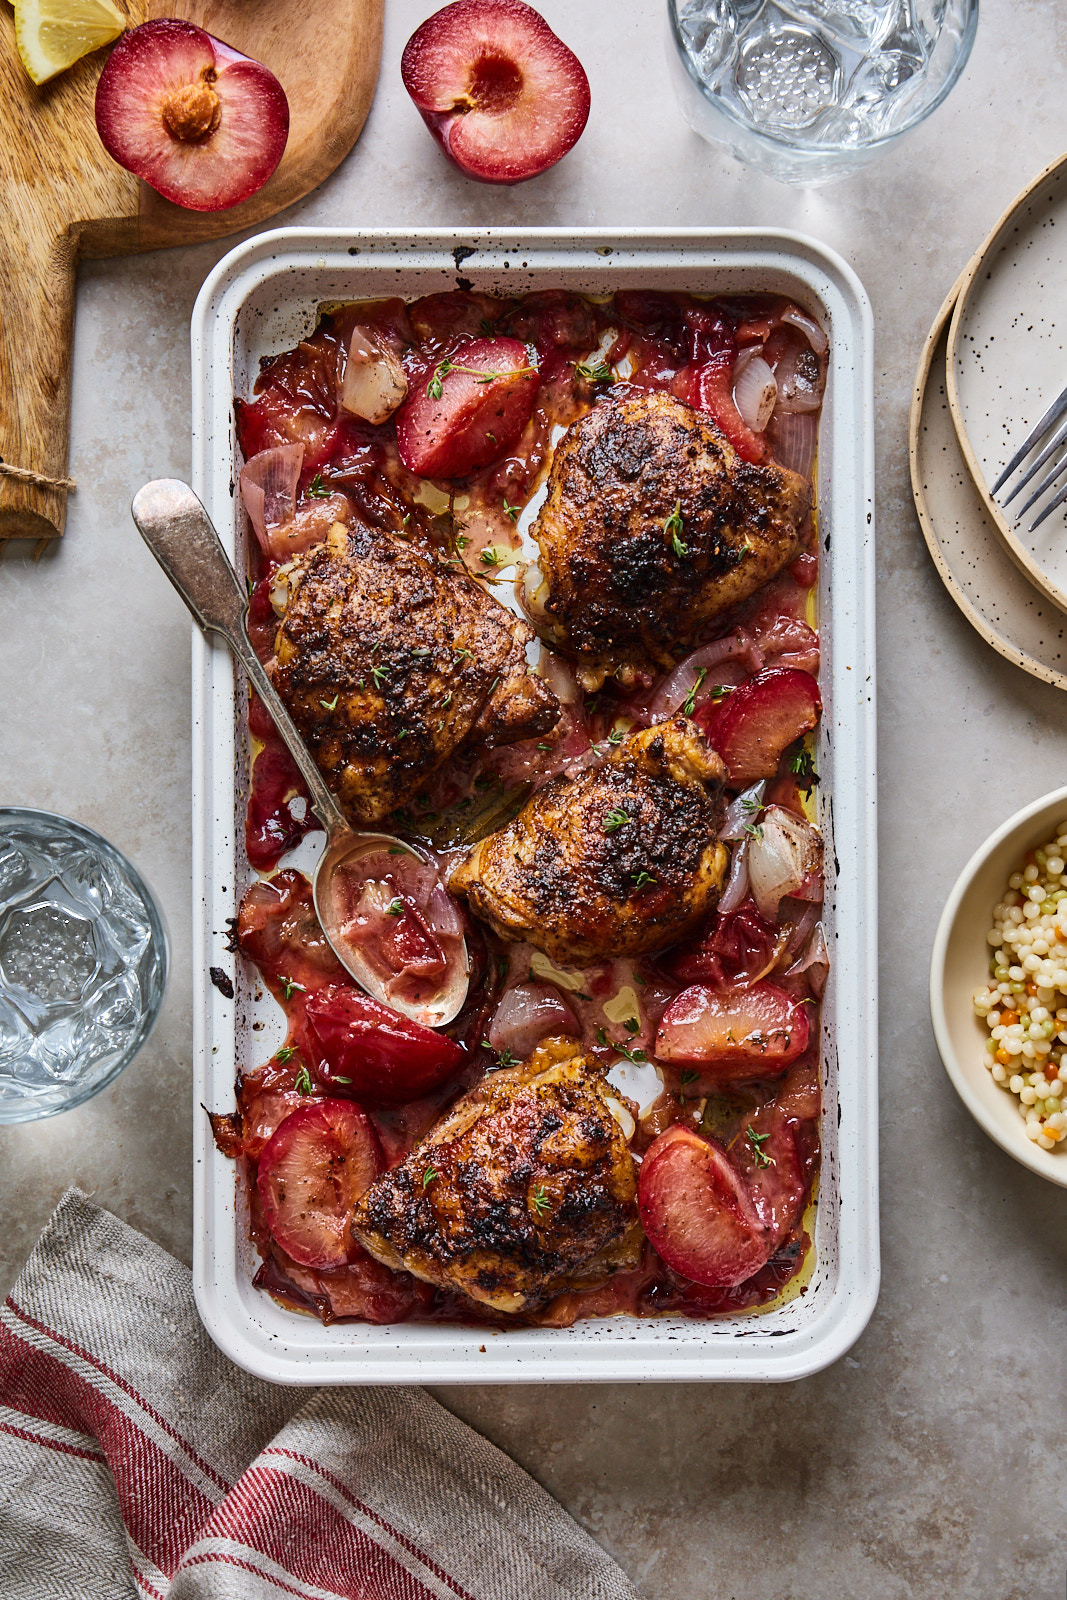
{"points": [[25, 475]]}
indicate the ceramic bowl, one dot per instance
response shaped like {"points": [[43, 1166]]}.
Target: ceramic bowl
{"points": [[960, 965]]}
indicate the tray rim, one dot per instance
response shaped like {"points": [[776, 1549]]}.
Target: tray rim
{"points": [[641, 1349]]}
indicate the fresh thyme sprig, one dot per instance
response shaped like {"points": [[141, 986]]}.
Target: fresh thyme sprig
{"points": [[675, 528], [435, 387], [691, 697], [594, 372], [756, 1141]]}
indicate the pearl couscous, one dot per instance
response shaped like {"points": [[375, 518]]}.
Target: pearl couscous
{"points": [[1025, 1003]]}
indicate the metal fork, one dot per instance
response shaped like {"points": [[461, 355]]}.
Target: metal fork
{"points": [[1053, 414]]}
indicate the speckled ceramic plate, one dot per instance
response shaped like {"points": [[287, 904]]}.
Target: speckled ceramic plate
{"points": [[966, 546], [1006, 363]]}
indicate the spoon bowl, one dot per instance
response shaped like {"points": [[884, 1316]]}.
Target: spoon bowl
{"points": [[364, 917]]}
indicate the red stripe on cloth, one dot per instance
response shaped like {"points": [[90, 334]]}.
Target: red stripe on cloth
{"points": [[369, 1511], [50, 1444], [149, 1588], [224, 1558], [161, 1509], [127, 1388], [277, 1516]]}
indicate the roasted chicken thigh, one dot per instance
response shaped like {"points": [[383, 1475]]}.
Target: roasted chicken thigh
{"points": [[525, 1181], [652, 527], [623, 858], [389, 662]]}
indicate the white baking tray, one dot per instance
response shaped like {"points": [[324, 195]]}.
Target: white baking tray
{"points": [[261, 299]]}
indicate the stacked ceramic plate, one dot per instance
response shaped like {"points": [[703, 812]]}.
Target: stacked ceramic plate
{"points": [[993, 363]]}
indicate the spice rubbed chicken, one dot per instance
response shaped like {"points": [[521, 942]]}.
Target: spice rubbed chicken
{"points": [[623, 858], [388, 662], [522, 1183], [652, 527]]}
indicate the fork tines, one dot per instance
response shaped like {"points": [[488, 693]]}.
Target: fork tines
{"points": [[1034, 437]]}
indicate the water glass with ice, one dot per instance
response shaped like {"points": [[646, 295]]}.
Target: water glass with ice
{"points": [[809, 90], [83, 963]]}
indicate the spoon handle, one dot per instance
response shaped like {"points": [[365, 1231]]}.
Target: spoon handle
{"points": [[178, 531]]}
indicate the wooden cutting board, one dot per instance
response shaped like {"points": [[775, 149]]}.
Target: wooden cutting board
{"points": [[63, 198]]}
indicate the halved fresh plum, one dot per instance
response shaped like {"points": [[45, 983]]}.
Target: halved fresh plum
{"points": [[503, 95], [201, 123], [315, 1166], [697, 1212], [373, 1053], [734, 1035], [766, 1156], [470, 411], [752, 727]]}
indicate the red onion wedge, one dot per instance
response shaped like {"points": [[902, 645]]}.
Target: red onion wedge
{"points": [[742, 812], [268, 488], [374, 384], [736, 888], [808, 327], [527, 1014], [815, 961], [755, 390], [784, 860], [697, 676], [794, 439]]}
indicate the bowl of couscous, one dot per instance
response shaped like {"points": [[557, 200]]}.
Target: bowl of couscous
{"points": [[998, 986]]}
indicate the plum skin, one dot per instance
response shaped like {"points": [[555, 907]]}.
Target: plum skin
{"points": [[500, 92], [198, 121]]}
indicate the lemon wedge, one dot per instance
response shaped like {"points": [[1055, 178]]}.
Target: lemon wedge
{"points": [[52, 34]]}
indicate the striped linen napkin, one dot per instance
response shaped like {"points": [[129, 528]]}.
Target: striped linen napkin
{"points": [[135, 1460]]}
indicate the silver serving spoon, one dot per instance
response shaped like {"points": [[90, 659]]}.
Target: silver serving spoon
{"points": [[178, 531]]}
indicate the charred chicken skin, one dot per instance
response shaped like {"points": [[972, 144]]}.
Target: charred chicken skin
{"points": [[652, 527], [526, 1180], [621, 859], [388, 663]]}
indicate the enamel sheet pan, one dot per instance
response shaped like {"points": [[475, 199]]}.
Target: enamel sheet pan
{"points": [[261, 299]]}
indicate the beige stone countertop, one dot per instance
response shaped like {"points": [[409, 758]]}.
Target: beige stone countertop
{"points": [[928, 1462]]}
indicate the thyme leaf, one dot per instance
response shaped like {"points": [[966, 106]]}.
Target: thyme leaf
{"points": [[675, 528], [756, 1141], [594, 372], [691, 697]]}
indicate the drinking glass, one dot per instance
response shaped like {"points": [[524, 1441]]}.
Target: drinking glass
{"points": [[83, 963], [810, 90]]}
